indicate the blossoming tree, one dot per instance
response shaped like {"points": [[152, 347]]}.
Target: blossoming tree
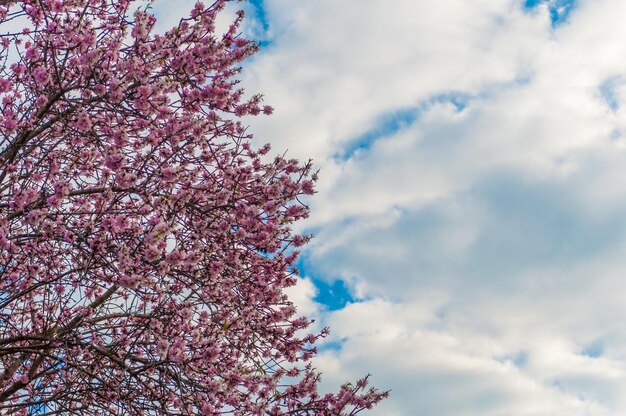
{"points": [[144, 241]]}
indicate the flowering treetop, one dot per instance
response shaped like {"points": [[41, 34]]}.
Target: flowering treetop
{"points": [[144, 241]]}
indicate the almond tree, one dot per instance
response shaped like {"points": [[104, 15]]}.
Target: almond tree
{"points": [[145, 242]]}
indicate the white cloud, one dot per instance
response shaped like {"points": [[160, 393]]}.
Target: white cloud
{"points": [[302, 295], [334, 67], [446, 371], [488, 240]]}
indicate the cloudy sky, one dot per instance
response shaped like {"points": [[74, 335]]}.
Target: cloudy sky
{"points": [[470, 224]]}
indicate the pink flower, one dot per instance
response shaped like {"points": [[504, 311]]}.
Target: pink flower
{"points": [[9, 124], [83, 122], [307, 187], [41, 75], [168, 172], [57, 6], [5, 85], [114, 161], [125, 179], [162, 347]]}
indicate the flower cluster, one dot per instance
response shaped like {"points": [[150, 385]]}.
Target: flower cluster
{"points": [[144, 242]]}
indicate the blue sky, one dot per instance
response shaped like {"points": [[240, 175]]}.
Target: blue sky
{"points": [[259, 13], [559, 9], [470, 230]]}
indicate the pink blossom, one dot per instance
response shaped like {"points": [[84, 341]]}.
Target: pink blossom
{"points": [[168, 172], [83, 121], [5, 85], [137, 217], [41, 75], [114, 161]]}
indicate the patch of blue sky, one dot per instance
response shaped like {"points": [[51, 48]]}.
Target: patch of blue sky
{"points": [[559, 9], [387, 125], [608, 92], [593, 350], [334, 345], [260, 13], [391, 123], [459, 100], [333, 294], [520, 359]]}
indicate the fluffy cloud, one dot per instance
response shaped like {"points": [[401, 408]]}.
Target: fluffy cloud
{"points": [[439, 366], [336, 67], [471, 194]]}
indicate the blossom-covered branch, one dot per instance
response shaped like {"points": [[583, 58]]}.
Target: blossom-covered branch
{"points": [[144, 241]]}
